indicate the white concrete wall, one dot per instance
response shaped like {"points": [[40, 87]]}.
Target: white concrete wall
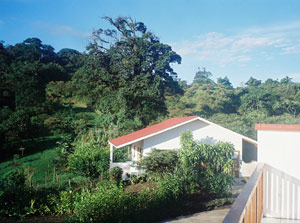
{"points": [[201, 132], [280, 149]]}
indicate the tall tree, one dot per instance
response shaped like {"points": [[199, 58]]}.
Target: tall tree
{"points": [[203, 77], [252, 82], [128, 72], [70, 59], [286, 80], [225, 82]]}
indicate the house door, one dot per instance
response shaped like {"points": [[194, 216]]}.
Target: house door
{"points": [[139, 154]]}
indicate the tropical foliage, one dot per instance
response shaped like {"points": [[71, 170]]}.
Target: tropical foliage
{"points": [[159, 161], [59, 109]]}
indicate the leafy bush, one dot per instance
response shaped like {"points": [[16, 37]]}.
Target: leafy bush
{"points": [[17, 199], [65, 149], [116, 174], [89, 159], [160, 161], [172, 187], [14, 194], [100, 204], [60, 122], [208, 167], [64, 202], [135, 179]]}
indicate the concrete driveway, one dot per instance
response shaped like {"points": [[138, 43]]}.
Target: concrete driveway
{"points": [[214, 216]]}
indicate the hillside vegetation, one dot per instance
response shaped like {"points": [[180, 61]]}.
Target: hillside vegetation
{"points": [[59, 109]]}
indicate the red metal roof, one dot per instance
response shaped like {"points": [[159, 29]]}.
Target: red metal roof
{"points": [[277, 127], [150, 130]]}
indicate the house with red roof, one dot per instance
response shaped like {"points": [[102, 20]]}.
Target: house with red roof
{"points": [[166, 136]]}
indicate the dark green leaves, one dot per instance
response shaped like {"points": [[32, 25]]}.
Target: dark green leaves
{"points": [[128, 72]]}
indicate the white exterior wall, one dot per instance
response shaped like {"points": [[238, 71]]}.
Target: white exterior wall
{"points": [[201, 132], [280, 149]]}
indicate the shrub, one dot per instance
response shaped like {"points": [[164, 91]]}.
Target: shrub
{"points": [[14, 194], [65, 149], [172, 187], [110, 203], [208, 167], [64, 203], [19, 200], [89, 159], [215, 185], [135, 179], [116, 174], [60, 122], [106, 203], [160, 161]]}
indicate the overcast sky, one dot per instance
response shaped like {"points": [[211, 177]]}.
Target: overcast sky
{"points": [[238, 39]]}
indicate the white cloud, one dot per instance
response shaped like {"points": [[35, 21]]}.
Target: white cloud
{"points": [[61, 30], [278, 28], [242, 47], [292, 49]]}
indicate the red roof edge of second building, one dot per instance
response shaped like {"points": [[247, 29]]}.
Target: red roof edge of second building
{"points": [[277, 127]]}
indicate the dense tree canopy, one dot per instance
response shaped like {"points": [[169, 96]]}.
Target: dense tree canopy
{"points": [[239, 108], [25, 71], [225, 82], [127, 72]]}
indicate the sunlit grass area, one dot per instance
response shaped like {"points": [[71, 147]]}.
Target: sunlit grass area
{"points": [[39, 163]]}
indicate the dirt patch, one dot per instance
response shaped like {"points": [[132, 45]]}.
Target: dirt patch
{"points": [[136, 188], [16, 164]]}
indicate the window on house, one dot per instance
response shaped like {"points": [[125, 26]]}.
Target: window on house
{"points": [[122, 154]]}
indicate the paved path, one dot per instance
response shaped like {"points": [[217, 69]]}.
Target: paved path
{"points": [[214, 216]]}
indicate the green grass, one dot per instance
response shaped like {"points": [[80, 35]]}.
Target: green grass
{"points": [[41, 164], [40, 152], [39, 160]]}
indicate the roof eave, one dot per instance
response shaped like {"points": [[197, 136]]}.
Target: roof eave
{"points": [[153, 134]]}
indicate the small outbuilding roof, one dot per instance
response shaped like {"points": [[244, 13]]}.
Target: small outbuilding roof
{"points": [[277, 127], [162, 127]]}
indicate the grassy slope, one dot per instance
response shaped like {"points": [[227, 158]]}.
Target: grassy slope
{"points": [[42, 152], [40, 162], [45, 173]]}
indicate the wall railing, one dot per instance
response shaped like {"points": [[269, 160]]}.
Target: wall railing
{"points": [[248, 207]]}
